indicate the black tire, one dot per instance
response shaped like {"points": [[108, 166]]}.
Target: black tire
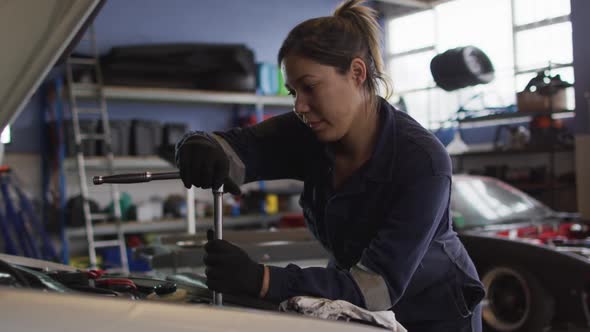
{"points": [[461, 67], [515, 301]]}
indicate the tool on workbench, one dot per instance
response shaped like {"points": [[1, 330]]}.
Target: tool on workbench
{"points": [[148, 176]]}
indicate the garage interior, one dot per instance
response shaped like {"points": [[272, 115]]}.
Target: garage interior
{"points": [[504, 85]]}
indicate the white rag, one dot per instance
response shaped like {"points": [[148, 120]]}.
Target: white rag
{"points": [[340, 310]]}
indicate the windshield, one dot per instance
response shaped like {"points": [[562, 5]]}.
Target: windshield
{"points": [[478, 201]]}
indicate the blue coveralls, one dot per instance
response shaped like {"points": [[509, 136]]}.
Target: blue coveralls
{"points": [[388, 228]]}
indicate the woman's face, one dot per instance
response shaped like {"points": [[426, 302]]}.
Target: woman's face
{"points": [[325, 100]]}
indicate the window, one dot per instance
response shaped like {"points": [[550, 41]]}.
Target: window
{"points": [[521, 37], [5, 136]]}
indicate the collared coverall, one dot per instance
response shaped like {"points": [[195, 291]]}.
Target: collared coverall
{"points": [[387, 228]]}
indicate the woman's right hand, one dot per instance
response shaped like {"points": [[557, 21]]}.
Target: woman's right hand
{"points": [[203, 164]]}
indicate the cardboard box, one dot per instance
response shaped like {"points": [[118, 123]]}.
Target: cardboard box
{"points": [[534, 102]]}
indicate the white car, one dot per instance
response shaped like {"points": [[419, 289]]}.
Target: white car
{"points": [[42, 296]]}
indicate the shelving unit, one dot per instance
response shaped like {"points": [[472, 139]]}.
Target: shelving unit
{"points": [[155, 163], [175, 225], [511, 152], [183, 96], [142, 94], [151, 163], [532, 186], [549, 185], [546, 186], [515, 116]]}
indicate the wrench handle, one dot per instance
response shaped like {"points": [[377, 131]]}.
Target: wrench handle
{"points": [[135, 177], [218, 228]]}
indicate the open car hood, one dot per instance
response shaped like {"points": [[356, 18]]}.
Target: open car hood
{"points": [[34, 34], [48, 303], [27, 310]]}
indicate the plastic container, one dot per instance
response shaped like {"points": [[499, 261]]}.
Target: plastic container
{"points": [[120, 135], [87, 126], [173, 132], [282, 88], [267, 79], [146, 137]]}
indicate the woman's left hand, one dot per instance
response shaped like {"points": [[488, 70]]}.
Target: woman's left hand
{"points": [[230, 270]]}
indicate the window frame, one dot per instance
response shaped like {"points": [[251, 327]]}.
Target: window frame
{"points": [[516, 29]]}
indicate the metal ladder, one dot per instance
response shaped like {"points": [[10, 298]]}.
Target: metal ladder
{"points": [[99, 108]]}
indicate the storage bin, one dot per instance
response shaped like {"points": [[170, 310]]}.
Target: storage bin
{"points": [[267, 79], [146, 137], [120, 136], [87, 126], [173, 132]]}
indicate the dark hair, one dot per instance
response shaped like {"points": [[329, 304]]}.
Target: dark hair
{"points": [[351, 32]]}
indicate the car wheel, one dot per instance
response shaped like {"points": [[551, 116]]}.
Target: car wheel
{"points": [[515, 301]]}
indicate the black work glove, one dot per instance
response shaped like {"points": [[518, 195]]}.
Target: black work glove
{"points": [[230, 270], [203, 163]]}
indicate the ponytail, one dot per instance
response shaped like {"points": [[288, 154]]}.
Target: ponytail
{"points": [[363, 18], [351, 32]]}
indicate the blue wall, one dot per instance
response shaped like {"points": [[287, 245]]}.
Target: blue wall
{"points": [[581, 42], [25, 130], [260, 24]]}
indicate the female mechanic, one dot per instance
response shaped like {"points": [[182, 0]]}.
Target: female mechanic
{"points": [[376, 191]]}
